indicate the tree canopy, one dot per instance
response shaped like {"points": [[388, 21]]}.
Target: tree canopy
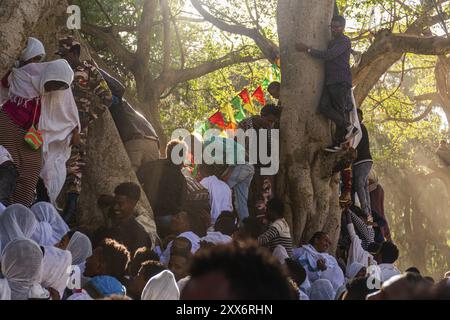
{"points": [[183, 59]]}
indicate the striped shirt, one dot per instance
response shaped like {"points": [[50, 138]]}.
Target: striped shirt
{"points": [[278, 233], [364, 231]]}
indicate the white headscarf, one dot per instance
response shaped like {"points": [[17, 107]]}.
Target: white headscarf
{"points": [[59, 117], [161, 287], [322, 289], [17, 221], [353, 270], [2, 208], [5, 291], [55, 272], [51, 227], [22, 266], [33, 49], [81, 248]]}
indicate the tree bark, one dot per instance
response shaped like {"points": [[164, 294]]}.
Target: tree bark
{"points": [[108, 163], [305, 179]]}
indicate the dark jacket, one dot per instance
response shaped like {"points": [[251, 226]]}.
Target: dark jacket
{"points": [[128, 121], [165, 186]]}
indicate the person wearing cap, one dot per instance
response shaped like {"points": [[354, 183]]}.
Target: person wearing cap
{"points": [[92, 97]]}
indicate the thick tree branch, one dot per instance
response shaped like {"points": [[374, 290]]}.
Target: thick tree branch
{"points": [[267, 47], [112, 42], [178, 76], [167, 39], [144, 32]]}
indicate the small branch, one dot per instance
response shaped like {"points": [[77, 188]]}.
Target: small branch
{"points": [[104, 12], [416, 119]]}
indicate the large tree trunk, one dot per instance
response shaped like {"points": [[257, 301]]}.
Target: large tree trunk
{"points": [[305, 180], [108, 163]]}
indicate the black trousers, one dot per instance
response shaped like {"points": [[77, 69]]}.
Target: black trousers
{"points": [[336, 105]]}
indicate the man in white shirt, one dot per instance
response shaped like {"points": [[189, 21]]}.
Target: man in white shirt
{"points": [[8, 175], [219, 193]]}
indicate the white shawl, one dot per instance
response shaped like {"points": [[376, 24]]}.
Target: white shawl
{"points": [[17, 221], [161, 287], [81, 248], [22, 266], [55, 273], [34, 48], [51, 227], [59, 117], [5, 290], [308, 256]]}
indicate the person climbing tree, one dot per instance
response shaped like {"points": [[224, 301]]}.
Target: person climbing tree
{"points": [[336, 102]]}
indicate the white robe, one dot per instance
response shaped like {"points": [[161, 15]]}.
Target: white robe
{"points": [[220, 196], [307, 255]]}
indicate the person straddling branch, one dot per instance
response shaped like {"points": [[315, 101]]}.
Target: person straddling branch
{"points": [[336, 102]]}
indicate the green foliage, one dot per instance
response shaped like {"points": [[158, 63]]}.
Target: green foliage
{"points": [[397, 146]]}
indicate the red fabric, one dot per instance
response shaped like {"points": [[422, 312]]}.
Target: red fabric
{"points": [[245, 96], [377, 204], [347, 179], [217, 118], [22, 114], [258, 95]]}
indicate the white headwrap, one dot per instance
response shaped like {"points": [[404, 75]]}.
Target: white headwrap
{"points": [[51, 227], [59, 117], [33, 49], [56, 272], [322, 289], [22, 266], [5, 291], [353, 270], [17, 221], [161, 287], [2, 208], [80, 246]]}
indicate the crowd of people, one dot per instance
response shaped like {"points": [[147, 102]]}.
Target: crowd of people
{"points": [[221, 229]]}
